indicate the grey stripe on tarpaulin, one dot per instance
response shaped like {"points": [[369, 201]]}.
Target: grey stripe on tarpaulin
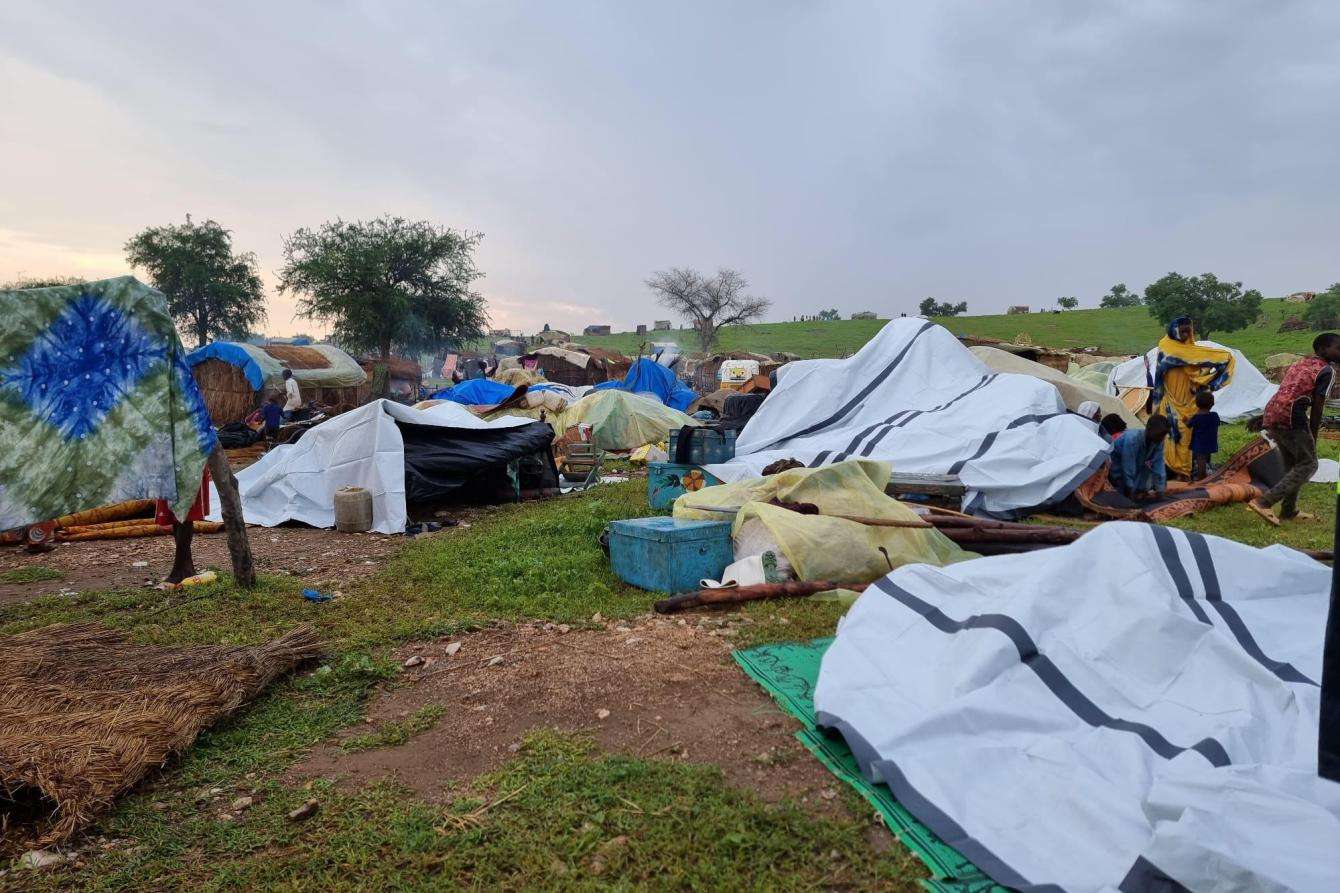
{"points": [[1052, 677], [990, 439], [866, 431], [874, 441], [861, 395], [937, 820], [1146, 877], [1200, 549], [1173, 562], [974, 506]]}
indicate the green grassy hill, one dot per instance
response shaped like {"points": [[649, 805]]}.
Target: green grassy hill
{"points": [[1127, 331]]}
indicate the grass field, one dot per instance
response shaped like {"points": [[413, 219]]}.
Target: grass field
{"points": [[679, 825], [1126, 331]]}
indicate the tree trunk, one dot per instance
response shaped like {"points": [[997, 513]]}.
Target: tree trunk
{"points": [[230, 503], [183, 563]]}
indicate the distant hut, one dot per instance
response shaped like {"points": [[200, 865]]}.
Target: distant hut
{"points": [[404, 376], [1017, 309], [577, 366], [596, 330], [234, 378]]}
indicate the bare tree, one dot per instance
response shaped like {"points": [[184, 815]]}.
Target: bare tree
{"points": [[709, 302]]}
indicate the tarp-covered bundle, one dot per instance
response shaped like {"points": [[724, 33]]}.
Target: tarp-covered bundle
{"points": [[1245, 395], [97, 404], [649, 377], [914, 396], [1140, 705], [397, 453], [619, 421], [1073, 392], [234, 376], [818, 546]]}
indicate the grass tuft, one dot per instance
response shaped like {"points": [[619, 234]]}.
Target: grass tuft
{"points": [[396, 732], [34, 574]]}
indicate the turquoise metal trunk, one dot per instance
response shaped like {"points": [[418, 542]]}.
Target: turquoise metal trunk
{"points": [[667, 555], [667, 481], [707, 446]]}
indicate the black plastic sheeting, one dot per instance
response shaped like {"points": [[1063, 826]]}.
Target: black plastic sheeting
{"points": [[471, 463]]}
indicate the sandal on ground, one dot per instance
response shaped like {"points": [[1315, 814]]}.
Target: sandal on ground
{"points": [[1299, 516], [1266, 514]]}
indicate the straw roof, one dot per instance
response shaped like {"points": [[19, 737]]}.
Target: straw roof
{"points": [[84, 715]]}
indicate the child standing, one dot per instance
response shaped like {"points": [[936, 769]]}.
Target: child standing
{"points": [[273, 414], [1204, 427]]}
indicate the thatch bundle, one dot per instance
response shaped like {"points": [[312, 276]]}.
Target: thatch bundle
{"points": [[84, 715], [229, 397]]}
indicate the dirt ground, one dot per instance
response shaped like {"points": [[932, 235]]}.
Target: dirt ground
{"points": [[320, 557], [653, 688]]}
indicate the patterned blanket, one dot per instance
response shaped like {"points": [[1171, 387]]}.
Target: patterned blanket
{"points": [[96, 403]]}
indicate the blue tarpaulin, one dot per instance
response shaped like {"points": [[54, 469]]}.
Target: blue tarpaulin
{"points": [[483, 392], [476, 392], [233, 354], [649, 377]]}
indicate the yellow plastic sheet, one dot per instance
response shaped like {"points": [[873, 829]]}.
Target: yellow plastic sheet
{"points": [[619, 420], [821, 547]]}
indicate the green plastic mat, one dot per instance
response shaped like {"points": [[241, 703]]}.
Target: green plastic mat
{"points": [[788, 671]]}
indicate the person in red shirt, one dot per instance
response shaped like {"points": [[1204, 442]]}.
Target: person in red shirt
{"points": [[1293, 421]]}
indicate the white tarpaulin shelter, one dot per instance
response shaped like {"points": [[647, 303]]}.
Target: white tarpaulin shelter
{"points": [[360, 448], [1072, 391], [1139, 704], [1246, 395], [916, 397]]}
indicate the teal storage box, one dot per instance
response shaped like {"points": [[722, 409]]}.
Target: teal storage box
{"points": [[707, 446], [669, 555], [667, 481]]}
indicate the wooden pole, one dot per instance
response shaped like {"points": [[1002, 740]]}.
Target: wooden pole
{"points": [[737, 594], [230, 503]]}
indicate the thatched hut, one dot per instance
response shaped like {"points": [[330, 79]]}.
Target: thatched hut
{"points": [[234, 377], [577, 366], [404, 377]]}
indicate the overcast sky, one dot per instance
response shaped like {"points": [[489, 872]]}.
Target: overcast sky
{"points": [[857, 155]]}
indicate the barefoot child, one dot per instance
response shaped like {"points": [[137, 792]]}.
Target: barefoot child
{"points": [[1204, 427], [1293, 420]]}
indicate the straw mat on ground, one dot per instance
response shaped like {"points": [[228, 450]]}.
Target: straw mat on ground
{"points": [[84, 715]]}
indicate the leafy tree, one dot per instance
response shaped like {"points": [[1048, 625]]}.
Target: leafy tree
{"points": [[931, 307], [40, 282], [211, 292], [828, 315], [1120, 296], [1067, 303], [386, 283], [710, 303], [1323, 311], [1214, 305]]}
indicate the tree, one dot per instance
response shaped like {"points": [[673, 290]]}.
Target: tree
{"points": [[40, 282], [211, 292], [1068, 303], [386, 283], [1212, 304], [829, 315], [1120, 296], [932, 307], [1323, 311], [710, 303]]}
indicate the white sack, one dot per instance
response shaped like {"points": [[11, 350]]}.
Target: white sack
{"points": [[1141, 701], [1246, 395], [916, 397], [359, 448]]}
